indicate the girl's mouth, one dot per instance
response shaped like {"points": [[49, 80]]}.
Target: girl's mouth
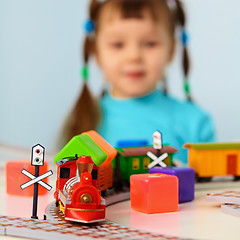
{"points": [[135, 74]]}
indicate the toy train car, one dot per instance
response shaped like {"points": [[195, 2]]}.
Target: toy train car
{"points": [[134, 160], [73, 193], [214, 159]]}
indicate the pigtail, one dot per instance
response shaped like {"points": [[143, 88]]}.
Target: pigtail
{"points": [[93, 9], [85, 114], [181, 20]]}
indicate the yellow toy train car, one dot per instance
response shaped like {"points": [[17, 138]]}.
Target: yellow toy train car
{"points": [[214, 159]]}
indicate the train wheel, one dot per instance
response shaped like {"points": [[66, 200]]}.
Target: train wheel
{"points": [[236, 178], [202, 179]]}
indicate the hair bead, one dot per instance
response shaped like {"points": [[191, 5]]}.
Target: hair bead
{"points": [[84, 72], [184, 37], [186, 87], [89, 26]]}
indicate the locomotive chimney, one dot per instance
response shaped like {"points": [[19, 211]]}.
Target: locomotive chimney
{"points": [[84, 164]]}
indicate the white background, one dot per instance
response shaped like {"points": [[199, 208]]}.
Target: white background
{"points": [[40, 58]]}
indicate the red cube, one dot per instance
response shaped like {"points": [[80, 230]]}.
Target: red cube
{"points": [[14, 177], [154, 193]]}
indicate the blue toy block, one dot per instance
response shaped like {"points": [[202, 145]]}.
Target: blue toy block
{"points": [[186, 178], [132, 143]]}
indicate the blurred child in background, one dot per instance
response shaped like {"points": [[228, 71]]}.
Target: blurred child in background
{"points": [[133, 41]]}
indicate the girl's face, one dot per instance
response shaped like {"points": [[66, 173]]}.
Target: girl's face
{"points": [[133, 54]]}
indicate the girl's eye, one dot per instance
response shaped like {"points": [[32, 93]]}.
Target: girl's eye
{"points": [[151, 44], [117, 45]]}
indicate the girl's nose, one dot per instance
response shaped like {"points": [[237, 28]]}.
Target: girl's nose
{"points": [[134, 53]]}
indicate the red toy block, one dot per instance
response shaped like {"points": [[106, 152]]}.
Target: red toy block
{"points": [[14, 177], [154, 193]]}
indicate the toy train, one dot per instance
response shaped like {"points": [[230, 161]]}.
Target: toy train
{"points": [[85, 170], [71, 182]]}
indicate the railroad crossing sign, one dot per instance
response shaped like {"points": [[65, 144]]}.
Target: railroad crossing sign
{"points": [[157, 160], [37, 160], [36, 179]]}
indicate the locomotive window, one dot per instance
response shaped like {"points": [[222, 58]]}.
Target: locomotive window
{"points": [[135, 163], [94, 174], [146, 161], [64, 172]]}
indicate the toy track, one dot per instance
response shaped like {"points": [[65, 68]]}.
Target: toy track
{"points": [[57, 228], [40, 229]]}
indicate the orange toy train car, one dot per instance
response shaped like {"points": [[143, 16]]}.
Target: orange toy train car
{"points": [[214, 159]]}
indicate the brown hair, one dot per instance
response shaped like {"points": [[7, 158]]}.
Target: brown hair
{"points": [[85, 114]]}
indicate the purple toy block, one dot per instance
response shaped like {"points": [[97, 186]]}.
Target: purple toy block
{"points": [[186, 178]]}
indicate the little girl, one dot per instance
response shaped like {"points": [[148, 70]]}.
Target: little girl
{"points": [[133, 41]]}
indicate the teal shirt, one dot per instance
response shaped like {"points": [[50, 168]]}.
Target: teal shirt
{"points": [[137, 118]]}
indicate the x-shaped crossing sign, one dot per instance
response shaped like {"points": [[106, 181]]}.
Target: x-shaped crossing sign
{"points": [[36, 179], [157, 160]]}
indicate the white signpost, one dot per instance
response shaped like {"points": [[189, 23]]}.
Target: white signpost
{"points": [[157, 140], [157, 144]]}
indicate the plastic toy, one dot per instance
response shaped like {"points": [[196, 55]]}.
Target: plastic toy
{"points": [[224, 197], [157, 160], [79, 197], [77, 186], [231, 200], [135, 160], [37, 160], [186, 179], [214, 159], [59, 229], [131, 143], [15, 178], [157, 142], [91, 144], [154, 193], [232, 209]]}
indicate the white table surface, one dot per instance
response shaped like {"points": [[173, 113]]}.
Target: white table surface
{"points": [[198, 219]]}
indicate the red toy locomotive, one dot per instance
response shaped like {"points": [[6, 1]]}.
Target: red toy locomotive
{"points": [[77, 192], [80, 180]]}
